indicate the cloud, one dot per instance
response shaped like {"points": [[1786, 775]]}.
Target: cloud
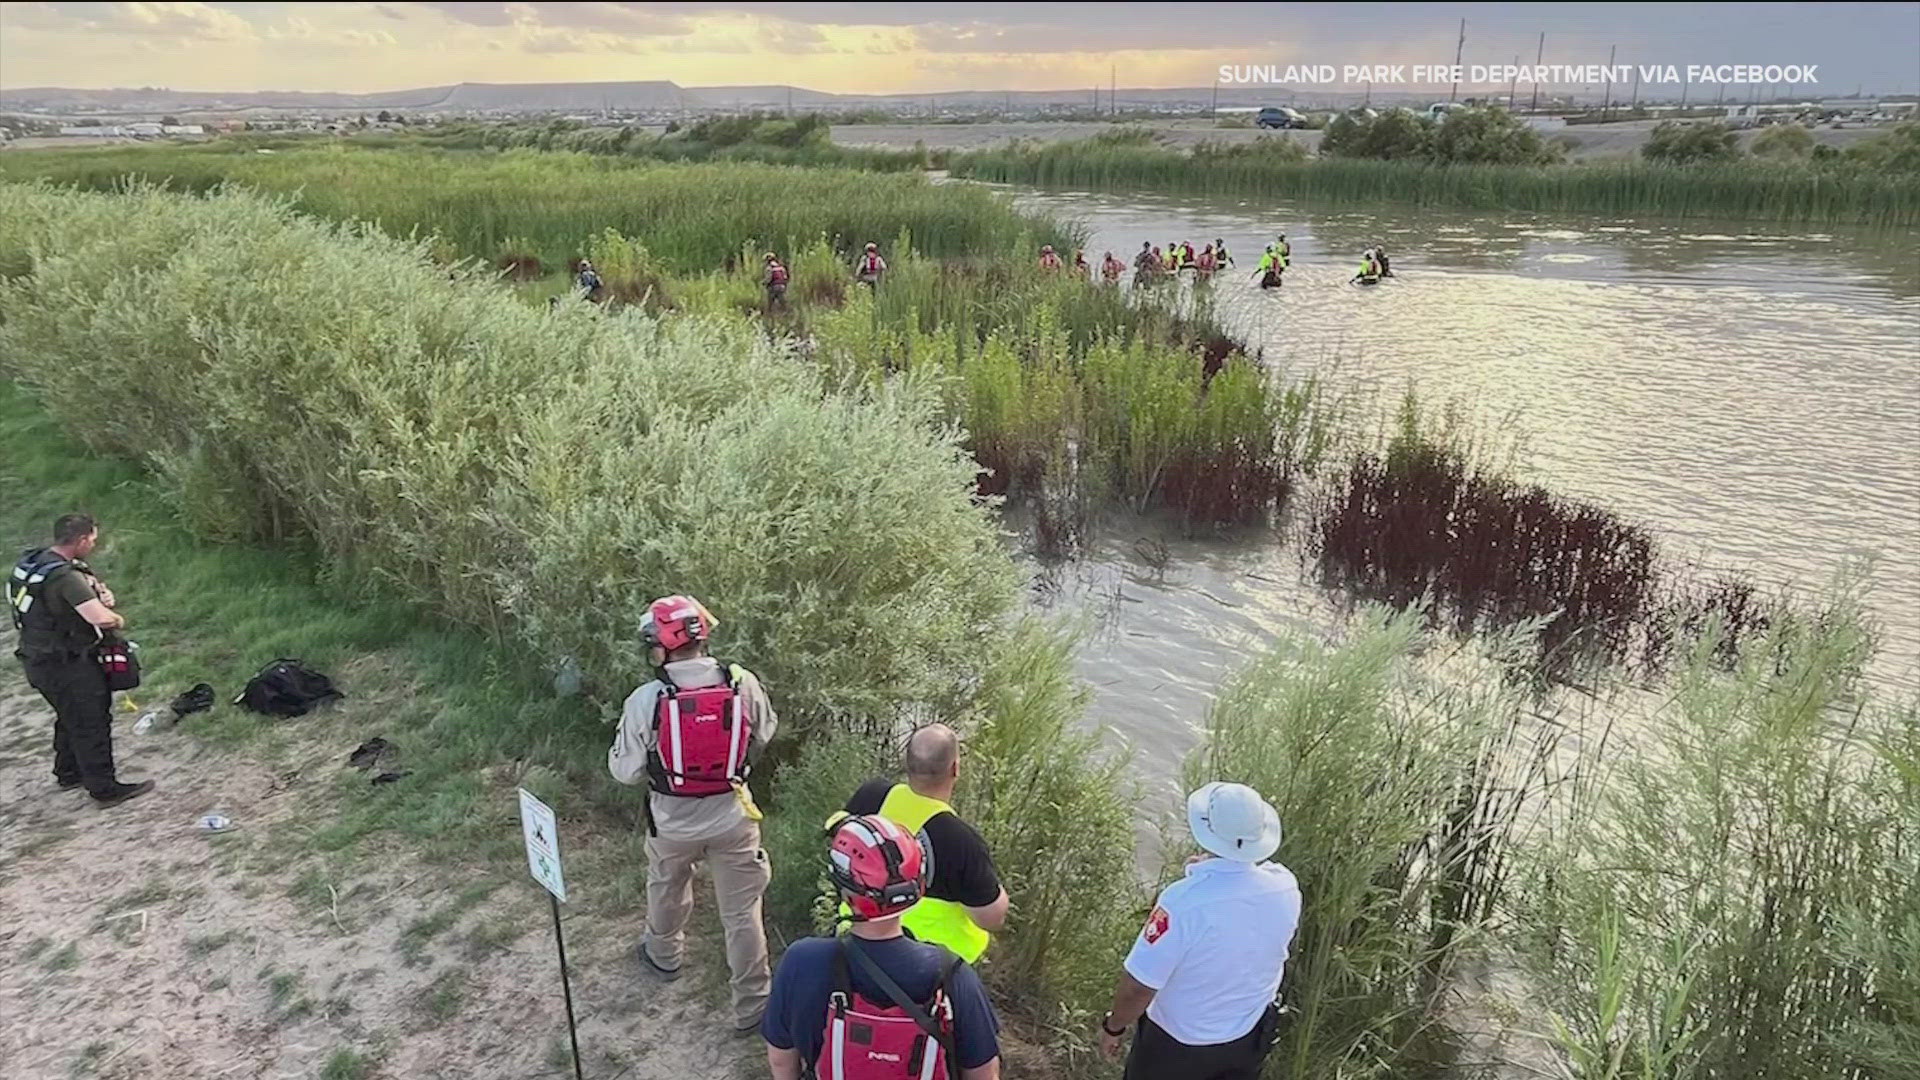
{"points": [[635, 19], [187, 22]]}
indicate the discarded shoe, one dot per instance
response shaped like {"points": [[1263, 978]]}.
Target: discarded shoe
{"points": [[120, 793], [390, 777], [198, 699], [369, 752]]}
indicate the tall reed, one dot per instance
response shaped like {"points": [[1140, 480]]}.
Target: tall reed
{"points": [[1786, 192]]}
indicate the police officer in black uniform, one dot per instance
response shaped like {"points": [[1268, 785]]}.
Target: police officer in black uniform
{"points": [[61, 611]]}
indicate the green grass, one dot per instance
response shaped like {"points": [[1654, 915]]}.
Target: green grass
{"points": [[443, 998], [348, 1065], [421, 932], [549, 205], [1784, 192], [66, 959]]}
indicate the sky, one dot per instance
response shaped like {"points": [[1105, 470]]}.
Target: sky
{"points": [[901, 47]]}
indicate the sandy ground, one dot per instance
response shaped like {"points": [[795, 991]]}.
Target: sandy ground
{"points": [[134, 945], [1604, 140]]}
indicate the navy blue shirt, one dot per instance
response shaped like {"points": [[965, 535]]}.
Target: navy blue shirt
{"points": [[797, 1008]]}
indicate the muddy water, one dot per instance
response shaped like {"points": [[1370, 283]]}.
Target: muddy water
{"points": [[1751, 395]]}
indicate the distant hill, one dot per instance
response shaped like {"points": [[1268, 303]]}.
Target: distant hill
{"points": [[649, 96]]}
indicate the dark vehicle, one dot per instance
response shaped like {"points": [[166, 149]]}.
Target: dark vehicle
{"points": [[1280, 117]]}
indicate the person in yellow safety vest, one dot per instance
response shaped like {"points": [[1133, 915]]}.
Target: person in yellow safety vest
{"points": [[1268, 272], [1286, 252], [964, 902]]}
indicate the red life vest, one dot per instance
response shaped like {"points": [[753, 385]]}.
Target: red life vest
{"points": [[870, 264], [700, 737], [777, 274], [867, 1041]]}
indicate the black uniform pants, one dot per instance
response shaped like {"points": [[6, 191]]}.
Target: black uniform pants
{"points": [[1156, 1055], [83, 718]]}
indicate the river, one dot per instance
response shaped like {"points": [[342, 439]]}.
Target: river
{"points": [[1752, 395]]}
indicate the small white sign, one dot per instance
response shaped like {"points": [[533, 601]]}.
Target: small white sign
{"points": [[543, 844]]}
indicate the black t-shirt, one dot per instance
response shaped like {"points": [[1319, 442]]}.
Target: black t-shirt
{"points": [[962, 867]]}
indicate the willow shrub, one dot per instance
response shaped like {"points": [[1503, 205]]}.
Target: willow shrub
{"points": [[1733, 892], [1399, 789], [540, 473]]}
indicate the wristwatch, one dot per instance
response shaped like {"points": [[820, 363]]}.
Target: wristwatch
{"points": [[1108, 1030]]}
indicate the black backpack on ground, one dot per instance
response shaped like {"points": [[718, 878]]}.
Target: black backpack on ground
{"points": [[287, 688]]}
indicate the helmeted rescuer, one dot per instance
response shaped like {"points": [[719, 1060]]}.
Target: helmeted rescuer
{"points": [[587, 280], [1048, 259], [1220, 253], [690, 735], [964, 901], [1204, 974], [775, 280], [1369, 271], [1285, 251], [61, 611], [872, 1003], [868, 270]]}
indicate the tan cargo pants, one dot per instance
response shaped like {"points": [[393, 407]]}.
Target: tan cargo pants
{"points": [[740, 876]]}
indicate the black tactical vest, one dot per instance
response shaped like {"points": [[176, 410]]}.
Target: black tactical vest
{"points": [[43, 630]]}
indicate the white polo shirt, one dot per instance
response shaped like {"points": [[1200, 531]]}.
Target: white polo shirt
{"points": [[1214, 947]]}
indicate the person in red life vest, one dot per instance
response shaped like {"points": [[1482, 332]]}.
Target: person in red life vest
{"points": [[1111, 268], [1048, 260], [868, 270], [775, 281], [1080, 266], [1204, 974], [874, 1004], [1206, 264], [690, 735]]}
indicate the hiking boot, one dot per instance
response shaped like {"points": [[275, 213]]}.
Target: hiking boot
{"points": [[68, 783], [120, 793], [647, 959]]}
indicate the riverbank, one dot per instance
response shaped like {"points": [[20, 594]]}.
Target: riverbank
{"points": [[426, 446]]}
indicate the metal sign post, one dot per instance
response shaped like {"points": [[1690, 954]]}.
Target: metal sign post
{"points": [[537, 826]]}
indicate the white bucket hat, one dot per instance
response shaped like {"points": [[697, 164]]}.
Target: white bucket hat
{"points": [[1234, 822]]}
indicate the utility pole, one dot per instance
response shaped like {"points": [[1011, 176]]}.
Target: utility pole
{"points": [[1636, 89], [1606, 108], [1538, 55], [1215, 110], [1113, 90], [1457, 50], [1513, 86]]}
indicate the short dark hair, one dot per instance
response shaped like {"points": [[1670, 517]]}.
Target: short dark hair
{"points": [[72, 527]]}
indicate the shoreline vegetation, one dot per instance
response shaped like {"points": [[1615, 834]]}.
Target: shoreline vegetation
{"points": [[1728, 891], [1491, 167]]}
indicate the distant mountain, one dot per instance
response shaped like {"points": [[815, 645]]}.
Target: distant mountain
{"points": [[650, 96]]}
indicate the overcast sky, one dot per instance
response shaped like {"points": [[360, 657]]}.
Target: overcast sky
{"points": [[886, 47]]}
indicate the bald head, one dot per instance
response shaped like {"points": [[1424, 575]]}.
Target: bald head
{"points": [[932, 753]]}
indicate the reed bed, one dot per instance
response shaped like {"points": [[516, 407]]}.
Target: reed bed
{"points": [[549, 206], [1430, 522], [1839, 192]]}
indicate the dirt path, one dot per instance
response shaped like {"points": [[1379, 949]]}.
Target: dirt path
{"points": [[134, 945]]}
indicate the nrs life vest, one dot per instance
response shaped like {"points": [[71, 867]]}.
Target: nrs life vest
{"points": [[41, 629], [776, 274], [898, 1040], [701, 736], [870, 263]]}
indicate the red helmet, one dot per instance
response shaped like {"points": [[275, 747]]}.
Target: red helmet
{"points": [[674, 622], [877, 865]]}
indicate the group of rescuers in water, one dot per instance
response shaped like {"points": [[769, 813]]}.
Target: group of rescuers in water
{"points": [[894, 993], [1150, 266]]}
